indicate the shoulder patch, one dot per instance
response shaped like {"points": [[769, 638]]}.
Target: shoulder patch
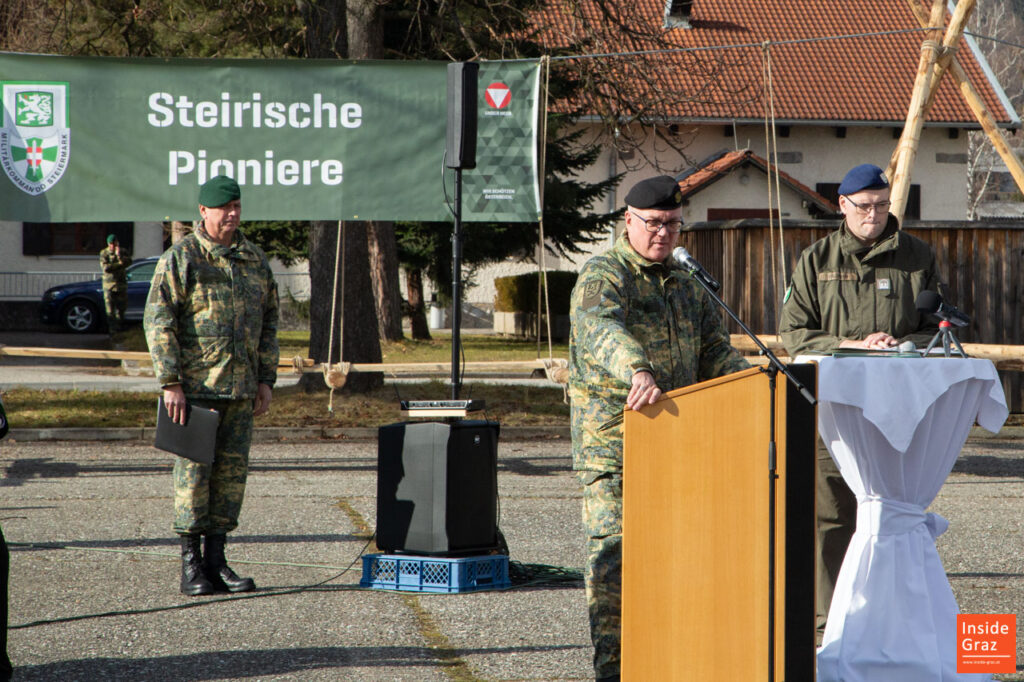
{"points": [[591, 293]]}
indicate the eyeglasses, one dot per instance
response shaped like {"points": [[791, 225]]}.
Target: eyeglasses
{"points": [[654, 226], [864, 209]]}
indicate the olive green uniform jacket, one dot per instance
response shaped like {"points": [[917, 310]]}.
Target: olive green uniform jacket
{"points": [[629, 314], [211, 318], [842, 289]]}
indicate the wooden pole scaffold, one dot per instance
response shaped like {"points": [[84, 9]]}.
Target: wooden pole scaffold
{"points": [[948, 63]]}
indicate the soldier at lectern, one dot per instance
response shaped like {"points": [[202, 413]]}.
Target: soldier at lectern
{"points": [[856, 288], [641, 324]]}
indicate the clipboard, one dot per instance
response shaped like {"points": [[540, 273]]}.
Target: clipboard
{"points": [[196, 440]]}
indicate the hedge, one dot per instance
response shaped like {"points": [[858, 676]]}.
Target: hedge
{"points": [[518, 293]]}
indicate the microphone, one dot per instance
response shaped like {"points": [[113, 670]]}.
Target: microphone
{"points": [[685, 260], [931, 303]]}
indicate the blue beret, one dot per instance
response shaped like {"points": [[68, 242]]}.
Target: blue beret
{"points": [[864, 176], [661, 192], [218, 191]]}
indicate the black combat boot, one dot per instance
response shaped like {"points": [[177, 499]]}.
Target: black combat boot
{"points": [[193, 581], [219, 572]]}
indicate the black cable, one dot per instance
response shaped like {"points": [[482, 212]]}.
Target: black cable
{"points": [[187, 605]]}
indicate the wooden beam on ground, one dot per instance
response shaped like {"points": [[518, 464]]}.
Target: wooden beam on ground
{"points": [[482, 367], [977, 105], [901, 166], [33, 352], [306, 364]]}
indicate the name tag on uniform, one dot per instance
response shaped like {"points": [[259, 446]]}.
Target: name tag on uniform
{"points": [[883, 285]]}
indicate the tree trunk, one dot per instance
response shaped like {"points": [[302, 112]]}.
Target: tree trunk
{"points": [[365, 29], [179, 230], [383, 252], [365, 41], [355, 333], [354, 320], [417, 311]]}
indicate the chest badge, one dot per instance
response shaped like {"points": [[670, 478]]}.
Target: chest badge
{"points": [[883, 284]]}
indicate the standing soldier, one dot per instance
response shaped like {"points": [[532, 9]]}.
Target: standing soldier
{"points": [[640, 325], [211, 326], [114, 262], [855, 288]]}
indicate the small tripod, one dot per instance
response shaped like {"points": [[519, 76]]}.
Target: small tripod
{"points": [[949, 340]]}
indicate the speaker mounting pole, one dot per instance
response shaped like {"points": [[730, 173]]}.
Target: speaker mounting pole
{"points": [[460, 153], [456, 284]]}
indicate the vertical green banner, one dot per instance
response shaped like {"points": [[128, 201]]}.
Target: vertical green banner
{"points": [[506, 160], [105, 139]]}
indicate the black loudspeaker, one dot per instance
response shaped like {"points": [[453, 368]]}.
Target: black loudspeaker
{"points": [[437, 487], [460, 139]]}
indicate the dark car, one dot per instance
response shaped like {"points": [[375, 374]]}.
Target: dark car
{"points": [[79, 306]]}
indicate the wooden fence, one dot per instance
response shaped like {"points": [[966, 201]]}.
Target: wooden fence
{"points": [[981, 264]]}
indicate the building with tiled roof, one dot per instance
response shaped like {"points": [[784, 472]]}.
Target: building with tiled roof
{"points": [[673, 82]]}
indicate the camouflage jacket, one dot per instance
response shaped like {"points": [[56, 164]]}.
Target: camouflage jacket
{"points": [[113, 267], [211, 318], [629, 314], [842, 289]]}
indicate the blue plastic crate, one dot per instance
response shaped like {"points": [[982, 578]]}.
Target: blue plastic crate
{"points": [[434, 574]]}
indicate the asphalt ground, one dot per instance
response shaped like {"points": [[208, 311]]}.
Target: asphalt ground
{"points": [[95, 569]]}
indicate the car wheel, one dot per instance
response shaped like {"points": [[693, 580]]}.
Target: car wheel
{"points": [[80, 316]]}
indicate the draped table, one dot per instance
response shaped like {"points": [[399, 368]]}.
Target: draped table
{"points": [[895, 427]]}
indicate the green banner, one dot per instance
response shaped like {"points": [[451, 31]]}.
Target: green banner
{"points": [[107, 139]]}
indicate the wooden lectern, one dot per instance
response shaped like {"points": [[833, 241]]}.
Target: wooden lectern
{"points": [[704, 597]]}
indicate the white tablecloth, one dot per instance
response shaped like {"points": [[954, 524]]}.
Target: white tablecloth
{"points": [[895, 427]]}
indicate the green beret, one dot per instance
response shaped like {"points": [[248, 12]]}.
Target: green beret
{"points": [[219, 191], [111, 238], [661, 192]]}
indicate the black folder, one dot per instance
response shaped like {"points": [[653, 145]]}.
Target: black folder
{"points": [[195, 440]]}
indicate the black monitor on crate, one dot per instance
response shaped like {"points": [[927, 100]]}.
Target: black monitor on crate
{"points": [[437, 487]]}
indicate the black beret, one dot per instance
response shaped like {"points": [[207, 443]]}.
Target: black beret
{"points": [[864, 176], [661, 192], [218, 191]]}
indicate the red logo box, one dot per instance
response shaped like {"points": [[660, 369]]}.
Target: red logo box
{"points": [[986, 643]]}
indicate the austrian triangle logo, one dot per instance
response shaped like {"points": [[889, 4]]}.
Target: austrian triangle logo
{"points": [[497, 95], [35, 141]]}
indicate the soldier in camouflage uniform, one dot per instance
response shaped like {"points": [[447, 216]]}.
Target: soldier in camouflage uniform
{"points": [[640, 325], [856, 288], [113, 263], [211, 326]]}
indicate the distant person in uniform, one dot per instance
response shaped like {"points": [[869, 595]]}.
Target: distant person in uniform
{"points": [[640, 325], [114, 262], [855, 288], [211, 326]]}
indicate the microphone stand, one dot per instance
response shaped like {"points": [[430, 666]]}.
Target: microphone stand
{"points": [[948, 337], [774, 367]]}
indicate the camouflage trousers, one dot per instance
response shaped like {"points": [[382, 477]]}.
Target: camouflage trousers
{"points": [[602, 520], [116, 302], [208, 497]]}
